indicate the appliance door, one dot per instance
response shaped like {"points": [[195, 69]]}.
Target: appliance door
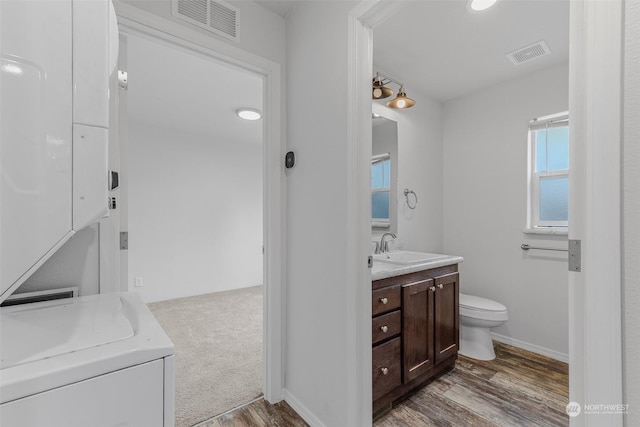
{"points": [[35, 134], [128, 397]]}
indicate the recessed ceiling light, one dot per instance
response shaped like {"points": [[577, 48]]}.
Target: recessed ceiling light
{"points": [[480, 5], [249, 113]]}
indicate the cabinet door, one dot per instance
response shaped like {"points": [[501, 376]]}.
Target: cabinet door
{"points": [[417, 328], [446, 319], [386, 367]]}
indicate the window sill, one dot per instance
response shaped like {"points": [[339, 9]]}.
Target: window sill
{"points": [[380, 224], [550, 231]]}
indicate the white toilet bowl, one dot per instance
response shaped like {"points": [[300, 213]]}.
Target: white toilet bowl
{"points": [[477, 316]]}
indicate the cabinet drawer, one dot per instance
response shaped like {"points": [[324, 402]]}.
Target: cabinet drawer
{"points": [[386, 367], [385, 299], [385, 326]]}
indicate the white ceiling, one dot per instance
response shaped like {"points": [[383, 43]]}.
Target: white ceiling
{"points": [[172, 88], [444, 51], [434, 46], [279, 7]]}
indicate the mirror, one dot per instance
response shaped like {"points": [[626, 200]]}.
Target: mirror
{"points": [[384, 175]]}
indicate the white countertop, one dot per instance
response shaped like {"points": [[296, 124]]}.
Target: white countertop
{"points": [[382, 270]]}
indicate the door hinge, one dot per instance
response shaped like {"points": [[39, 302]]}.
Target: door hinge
{"points": [[575, 255], [124, 240], [122, 80], [112, 203]]}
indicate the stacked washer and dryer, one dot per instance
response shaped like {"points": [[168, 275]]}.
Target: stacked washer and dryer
{"points": [[98, 360]]}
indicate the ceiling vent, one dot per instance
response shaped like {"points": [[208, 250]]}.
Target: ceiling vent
{"points": [[215, 16], [528, 53]]}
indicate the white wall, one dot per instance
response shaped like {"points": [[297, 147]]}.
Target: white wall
{"points": [[631, 215], [420, 169], [76, 263], [316, 377], [485, 188], [195, 213], [261, 31]]}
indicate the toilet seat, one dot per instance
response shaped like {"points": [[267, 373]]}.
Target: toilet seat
{"points": [[482, 308]]}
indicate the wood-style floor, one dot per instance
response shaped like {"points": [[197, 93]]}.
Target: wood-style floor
{"points": [[518, 388], [258, 414]]}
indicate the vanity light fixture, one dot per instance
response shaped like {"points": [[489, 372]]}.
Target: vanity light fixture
{"points": [[401, 100], [480, 5], [249, 113], [380, 91]]}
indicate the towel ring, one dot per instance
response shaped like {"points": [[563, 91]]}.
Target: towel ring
{"points": [[415, 202]]}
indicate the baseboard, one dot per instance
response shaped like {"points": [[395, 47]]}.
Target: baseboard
{"points": [[531, 347], [301, 409]]}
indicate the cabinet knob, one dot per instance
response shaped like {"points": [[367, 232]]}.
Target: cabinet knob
{"points": [[384, 328], [432, 288], [440, 286], [384, 300], [385, 371]]}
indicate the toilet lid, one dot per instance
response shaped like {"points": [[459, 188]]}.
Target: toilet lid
{"points": [[478, 303]]}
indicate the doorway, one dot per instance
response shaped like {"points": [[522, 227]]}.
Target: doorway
{"points": [[135, 22], [195, 219], [595, 42]]}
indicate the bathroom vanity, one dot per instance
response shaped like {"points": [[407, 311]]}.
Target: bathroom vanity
{"points": [[415, 322]]}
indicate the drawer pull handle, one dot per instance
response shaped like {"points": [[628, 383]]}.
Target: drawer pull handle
{"points": [[385, 371], [432, 288], [384, 328], [440, 286], [384, 300]]}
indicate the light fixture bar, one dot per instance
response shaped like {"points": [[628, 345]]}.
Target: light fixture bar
{"points": [[380, 91], [386, 79]]}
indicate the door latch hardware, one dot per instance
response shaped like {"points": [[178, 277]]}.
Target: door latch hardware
{"points": [[575, 255], [370, 262], [112, 203], [124, 240], [122, 80]]}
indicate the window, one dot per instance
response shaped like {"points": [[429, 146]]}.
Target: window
{"points": [[380, 189], [549, 172]]}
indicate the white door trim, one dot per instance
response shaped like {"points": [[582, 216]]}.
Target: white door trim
{"points": [[595, 328], [358, 223], [109, 228], [135, 20], [362, 19]]}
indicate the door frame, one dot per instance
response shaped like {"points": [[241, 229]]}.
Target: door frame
{"points": [[134, 20], [596, 29], [595, 294]]}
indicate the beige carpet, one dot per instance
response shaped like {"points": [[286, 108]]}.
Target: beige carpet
{"points": [[218, 340]]}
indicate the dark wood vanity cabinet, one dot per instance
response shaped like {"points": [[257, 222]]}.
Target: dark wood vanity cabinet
{"points": [[421, 322]]}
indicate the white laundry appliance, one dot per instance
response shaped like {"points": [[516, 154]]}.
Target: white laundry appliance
{"points": [[99, 360], [91, 361]]}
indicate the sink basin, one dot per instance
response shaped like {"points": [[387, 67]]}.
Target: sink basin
{"points": [[406, 257]]}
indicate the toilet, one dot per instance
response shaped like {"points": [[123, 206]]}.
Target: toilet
{"points": [[477, 316]]}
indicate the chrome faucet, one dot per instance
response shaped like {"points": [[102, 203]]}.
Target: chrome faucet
{"points": [[384, 245]]}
